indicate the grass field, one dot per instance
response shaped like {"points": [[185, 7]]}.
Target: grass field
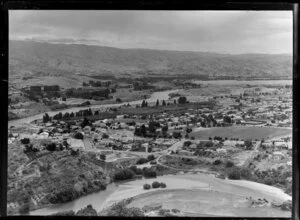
{"points": [[242, 132]]}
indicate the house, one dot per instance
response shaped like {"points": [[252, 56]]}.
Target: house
{"points": [[280, 144], [277, 155], [221, 150], [185, 153], [76, 144]]}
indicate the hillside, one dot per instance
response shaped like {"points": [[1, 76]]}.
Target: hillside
{"points": [[51, 61]]}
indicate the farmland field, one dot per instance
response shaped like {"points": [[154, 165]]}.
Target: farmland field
{"points": [[242, 132]]}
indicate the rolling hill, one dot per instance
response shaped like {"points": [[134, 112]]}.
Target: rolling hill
{"points": [[29, 59]]}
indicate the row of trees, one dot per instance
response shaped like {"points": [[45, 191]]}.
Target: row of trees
{"points": [[89, 94], [60, 116], [155, 185]]}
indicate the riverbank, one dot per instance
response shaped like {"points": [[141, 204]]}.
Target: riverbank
{"points": [[188, 192], [153, 98]]}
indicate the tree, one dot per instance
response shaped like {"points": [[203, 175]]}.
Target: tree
{"points": [[164, 128], [87, 211], [46, 118], [118, 100], [151, 157], [74, 152], [227, 119], [155, 185], [51, 147], [105, 136], [217, 162], [85, 122], [142, 161], [25, 141], [175, 101], [234, 174], [78, 135], [103, 157], [229, 164], [72, 115], [176, 135], [149, 172], [24, 208], [146, 186], [120, 209], [163, 103], [182, 100], [248, 144], [157, 103], [123, 175], [143, 104], [163, 185]]}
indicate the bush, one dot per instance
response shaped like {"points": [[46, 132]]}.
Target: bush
{"points": [[24, 209], [149, 173], [155, 184], [229, 164], [217, 162], [25, 141], [78, 135], [234, 174], [142, 161], [163, 185], [65, 213], [136, 170], [87, 211], [151, 157], [104, 136], [153, 162], [51, 147], [146, 186], [124, 174]]}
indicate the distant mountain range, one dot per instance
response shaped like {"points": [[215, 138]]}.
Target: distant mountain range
{"points": [[29, 58]]}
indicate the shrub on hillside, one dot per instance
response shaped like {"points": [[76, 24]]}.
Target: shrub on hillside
{"points": [[142, 161], [217, 162], [136, 170], [66, 213], [78, 135], [51, 147], [124, 174], [147, 186], [234, 174], [25, 141], [229, 164], [87, 211], [151, 157], [150, 173], [120, 209]]}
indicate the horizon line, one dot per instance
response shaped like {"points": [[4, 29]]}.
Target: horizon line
{"points": [[141, 48]]}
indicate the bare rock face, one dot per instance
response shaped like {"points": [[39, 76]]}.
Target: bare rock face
{"points": [[285, 206]]}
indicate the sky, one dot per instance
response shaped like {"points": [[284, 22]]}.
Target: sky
{"points": [[233, 32]]}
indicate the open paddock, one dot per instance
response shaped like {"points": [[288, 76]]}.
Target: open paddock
{"points": [[242, 132]]}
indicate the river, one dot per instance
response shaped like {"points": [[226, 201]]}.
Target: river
{"points": [[235, 190], [154, 96], [245, 82]]}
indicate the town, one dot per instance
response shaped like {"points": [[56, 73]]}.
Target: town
{"points": [[242, 136]]}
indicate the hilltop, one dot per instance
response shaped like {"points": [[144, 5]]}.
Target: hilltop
{"points": [[64, 63]]}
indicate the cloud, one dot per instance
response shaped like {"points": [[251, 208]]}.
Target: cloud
{"points": [[217, 31]]}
